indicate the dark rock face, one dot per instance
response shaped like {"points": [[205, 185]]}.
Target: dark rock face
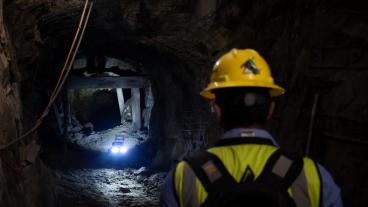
{"points": [[98, 106], [314, 49]]}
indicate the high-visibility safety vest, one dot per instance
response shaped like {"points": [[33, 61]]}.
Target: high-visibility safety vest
{"points": [[247, 157]]}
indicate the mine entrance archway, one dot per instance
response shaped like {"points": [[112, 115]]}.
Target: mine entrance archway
{"points": [[105, 107], [104, 103]]}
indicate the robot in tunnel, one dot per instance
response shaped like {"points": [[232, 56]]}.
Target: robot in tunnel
{"points": [[119, 146]]}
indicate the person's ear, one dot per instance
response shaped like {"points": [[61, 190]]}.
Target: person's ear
{"points": [[216, 110], [271, 109]]}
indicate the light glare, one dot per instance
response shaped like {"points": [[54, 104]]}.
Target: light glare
{"points": [[123, 149], [115, 149]]}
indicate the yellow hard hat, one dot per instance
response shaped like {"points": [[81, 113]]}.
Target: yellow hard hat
{"points": [[241, 68]]}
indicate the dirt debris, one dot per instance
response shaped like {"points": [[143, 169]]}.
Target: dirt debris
{"points": [[107, 187]]}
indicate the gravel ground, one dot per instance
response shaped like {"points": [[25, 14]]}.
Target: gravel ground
{"points": [[108, 187]]}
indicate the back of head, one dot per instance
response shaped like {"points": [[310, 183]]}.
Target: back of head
{"points": [[243, 106], [242, 85]]}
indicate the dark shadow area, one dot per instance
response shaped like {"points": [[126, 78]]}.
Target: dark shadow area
{"points": [[104, 110]]}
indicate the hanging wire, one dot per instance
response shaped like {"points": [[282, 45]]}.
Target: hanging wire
{"points": [[64, 72]]}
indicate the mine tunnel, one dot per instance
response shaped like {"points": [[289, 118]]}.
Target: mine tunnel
{"points": [[130, 107]]}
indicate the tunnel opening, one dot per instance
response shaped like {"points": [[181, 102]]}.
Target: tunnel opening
{"points": [[164, 112], [108, 104], [102, 106], [104, 103]]}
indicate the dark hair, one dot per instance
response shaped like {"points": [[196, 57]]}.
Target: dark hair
{"points": [[242, 107]]}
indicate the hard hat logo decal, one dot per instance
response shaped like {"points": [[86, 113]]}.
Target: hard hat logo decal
{"points": [[250, 67]]}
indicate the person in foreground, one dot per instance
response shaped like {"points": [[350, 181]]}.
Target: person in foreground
{"points": [[246, 167]]}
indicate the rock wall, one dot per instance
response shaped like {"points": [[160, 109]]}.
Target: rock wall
{"points": [[20, 182], [10, 115]]}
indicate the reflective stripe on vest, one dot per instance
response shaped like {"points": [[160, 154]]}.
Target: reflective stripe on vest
{"points": [[313, 181], [305, 190], [186, 191]]}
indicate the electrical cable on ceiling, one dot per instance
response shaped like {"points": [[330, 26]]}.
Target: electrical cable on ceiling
{"points": [[64, 71]]}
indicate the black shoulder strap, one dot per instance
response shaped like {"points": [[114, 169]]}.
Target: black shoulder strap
{"points": [[281, 169], [211, 172]]}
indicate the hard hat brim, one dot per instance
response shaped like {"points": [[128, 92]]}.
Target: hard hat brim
{"points": [[275, 90]]}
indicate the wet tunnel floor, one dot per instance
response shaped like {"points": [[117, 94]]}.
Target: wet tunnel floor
{"points": [[107, 187]]}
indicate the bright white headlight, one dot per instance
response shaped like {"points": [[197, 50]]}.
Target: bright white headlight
{"points": [[123, 149], [115, 149]]}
